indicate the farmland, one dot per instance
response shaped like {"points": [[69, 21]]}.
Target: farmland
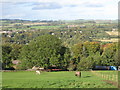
{"points": [[113, 33], [71, 32], [108, 40], [46, 27], [77, 45], [63, 79]]}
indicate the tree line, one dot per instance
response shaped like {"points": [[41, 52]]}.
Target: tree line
{"points": [[48, 50]]}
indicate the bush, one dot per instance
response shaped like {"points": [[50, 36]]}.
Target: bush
{"points": [[85, 64], [71, 67]]}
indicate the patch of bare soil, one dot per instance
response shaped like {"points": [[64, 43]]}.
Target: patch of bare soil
{"points": [[113, 83]]}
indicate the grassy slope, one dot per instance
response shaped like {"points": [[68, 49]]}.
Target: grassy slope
{"points": [[24, 79]]}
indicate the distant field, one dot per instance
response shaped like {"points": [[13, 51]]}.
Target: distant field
{"points": [[108, 40], [26, 24], [34, 23], [112, 33], [96, 24], [46, 27], [28, 79], [111, 40]]}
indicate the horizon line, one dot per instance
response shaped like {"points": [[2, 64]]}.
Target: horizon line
{"points": [[53, 19]]}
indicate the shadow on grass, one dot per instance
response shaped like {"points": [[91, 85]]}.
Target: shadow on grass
{"points": [[86, 76]]}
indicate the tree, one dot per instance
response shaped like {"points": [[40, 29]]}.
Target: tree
{"points": [[92, 47], [108, 54], [77, 50], [72, 66], [85, 63], [6, 57], [116, 57], [44, 51], [97, 59], [15, 51], [66, 58]]}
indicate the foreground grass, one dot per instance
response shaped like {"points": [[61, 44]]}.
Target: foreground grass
{"points": [[27, 79]]}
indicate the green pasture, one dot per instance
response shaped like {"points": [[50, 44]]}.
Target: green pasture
{"points": [[108, 75], [47, 27], [62, 79], [96, 24]]}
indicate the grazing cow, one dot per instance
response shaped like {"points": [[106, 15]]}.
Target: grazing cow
{"points": [[38, 72], [78, 74]]}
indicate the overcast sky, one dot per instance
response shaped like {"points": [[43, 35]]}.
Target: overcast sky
{"points": [[59, 9]]}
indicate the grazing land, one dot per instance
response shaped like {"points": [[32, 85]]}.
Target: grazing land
{"points": [[109, 40], [63, 79], [112, 33]]}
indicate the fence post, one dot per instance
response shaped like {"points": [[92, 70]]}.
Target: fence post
{"points": [[107, 77], [113, 78], [116, 78]]}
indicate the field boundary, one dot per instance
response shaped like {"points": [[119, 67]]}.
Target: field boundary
{"points": [[111, 79]]}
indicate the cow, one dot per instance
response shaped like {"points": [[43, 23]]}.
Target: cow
{"points": [[38, 72], [78, 74]]}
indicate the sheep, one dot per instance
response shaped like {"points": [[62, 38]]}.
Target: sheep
{"points": [[38, 72], [78, 74]]}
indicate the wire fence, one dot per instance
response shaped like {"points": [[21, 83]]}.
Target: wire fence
{"points": [[111, 76]]}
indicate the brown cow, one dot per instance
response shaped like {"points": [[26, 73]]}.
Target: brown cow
{"points": [[78, 74]]}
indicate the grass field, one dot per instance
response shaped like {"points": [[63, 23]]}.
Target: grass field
{"points": [[112, 33], [46, 27], [108, 40], [28, 79]]}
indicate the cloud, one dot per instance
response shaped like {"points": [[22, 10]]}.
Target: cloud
{"points": [[93, 5], [68, 9], [72, 5], [22, 3], [13, 16], [19, 3], [49, 5]]}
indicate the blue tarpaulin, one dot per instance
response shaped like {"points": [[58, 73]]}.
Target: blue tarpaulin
{"points": [[113, 68]]}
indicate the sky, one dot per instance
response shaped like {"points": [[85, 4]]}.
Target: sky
{"points": [[59, 9]]}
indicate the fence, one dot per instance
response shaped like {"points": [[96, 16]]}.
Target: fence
{"points": [[107, 76]]}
